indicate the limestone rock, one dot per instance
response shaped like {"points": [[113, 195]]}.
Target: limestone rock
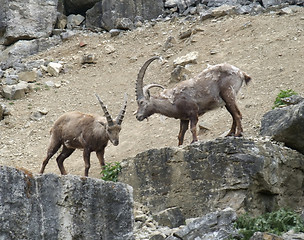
{"points": [[27, 19], [105, 13], [215, 225], [171, 217], [89, 58], [244, 174], [223, 10], [16, 91], [285, 125], [109, 48], [13, 54], [61, 22], [63, 207], [74, 21], [54, 68], [187, 59], [124, 24]]}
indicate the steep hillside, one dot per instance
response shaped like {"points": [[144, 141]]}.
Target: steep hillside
{"points": [[268, 47]]}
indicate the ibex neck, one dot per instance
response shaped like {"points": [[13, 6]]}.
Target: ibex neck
{"points": [[164, 107]]}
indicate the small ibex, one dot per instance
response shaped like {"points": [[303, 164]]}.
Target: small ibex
{"points": [[216, 86], [90, 132]]}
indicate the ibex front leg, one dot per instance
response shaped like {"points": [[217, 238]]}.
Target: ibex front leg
{"points": [[100, 156], [87, 164]]}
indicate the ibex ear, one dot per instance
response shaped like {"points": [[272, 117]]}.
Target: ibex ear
{"points": [[147, 94]]}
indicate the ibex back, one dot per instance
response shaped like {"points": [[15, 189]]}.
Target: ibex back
{"points": [[216, 86]]}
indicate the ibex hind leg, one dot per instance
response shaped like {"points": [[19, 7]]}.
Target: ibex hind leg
{"points": [[184, 125], [65, 153], [232, 108], [193, 123], [53, 148]]}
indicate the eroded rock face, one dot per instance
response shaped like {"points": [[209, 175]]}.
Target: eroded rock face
{"points": [[105, 13], [286, 125], [246, 175], [63, 207], [28, 19], [14, 54]]}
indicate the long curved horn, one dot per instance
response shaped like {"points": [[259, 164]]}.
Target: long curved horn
{"points": [[147, 87], [122, 111], [140, 77], [105, 110]]}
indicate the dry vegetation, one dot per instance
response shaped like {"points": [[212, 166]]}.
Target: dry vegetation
{"points": [[268, 47]]}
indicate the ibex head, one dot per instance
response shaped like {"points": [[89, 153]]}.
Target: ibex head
{"points": [[113, 128], [145, 106]]}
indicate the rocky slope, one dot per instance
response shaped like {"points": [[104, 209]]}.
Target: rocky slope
{"points": [[268, 47]]}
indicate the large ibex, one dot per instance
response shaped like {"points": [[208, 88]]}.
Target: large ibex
{"points": [[90, 132], [214, 87]]}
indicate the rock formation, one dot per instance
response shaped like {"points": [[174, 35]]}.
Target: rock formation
{"points": [[286, 125], [247, 175], [63, 207]]}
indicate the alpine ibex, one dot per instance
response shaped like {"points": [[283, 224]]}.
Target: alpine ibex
{"points": [[214, 87], [90, 132]]}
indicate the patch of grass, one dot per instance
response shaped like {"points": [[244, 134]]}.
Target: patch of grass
{"points": [[283, 94], [277, 222], [110, 172]]}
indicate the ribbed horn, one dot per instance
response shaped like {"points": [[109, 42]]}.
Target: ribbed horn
{"points": [[140, 77], [147, 87], [105, 110], [122, 111]]}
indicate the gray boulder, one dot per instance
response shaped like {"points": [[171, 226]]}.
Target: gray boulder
{"points": [[15, 91], [247, 175], [26, 19], [182, 5], [105, 13], [63, 207], [13, 54], [213, 226], [171, 217], [285, 125], [74, 21]]}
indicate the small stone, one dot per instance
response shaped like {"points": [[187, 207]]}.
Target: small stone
{"points": [[115, 32], [54, 68], [187, 59], [109, 49], [89, 58]]}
